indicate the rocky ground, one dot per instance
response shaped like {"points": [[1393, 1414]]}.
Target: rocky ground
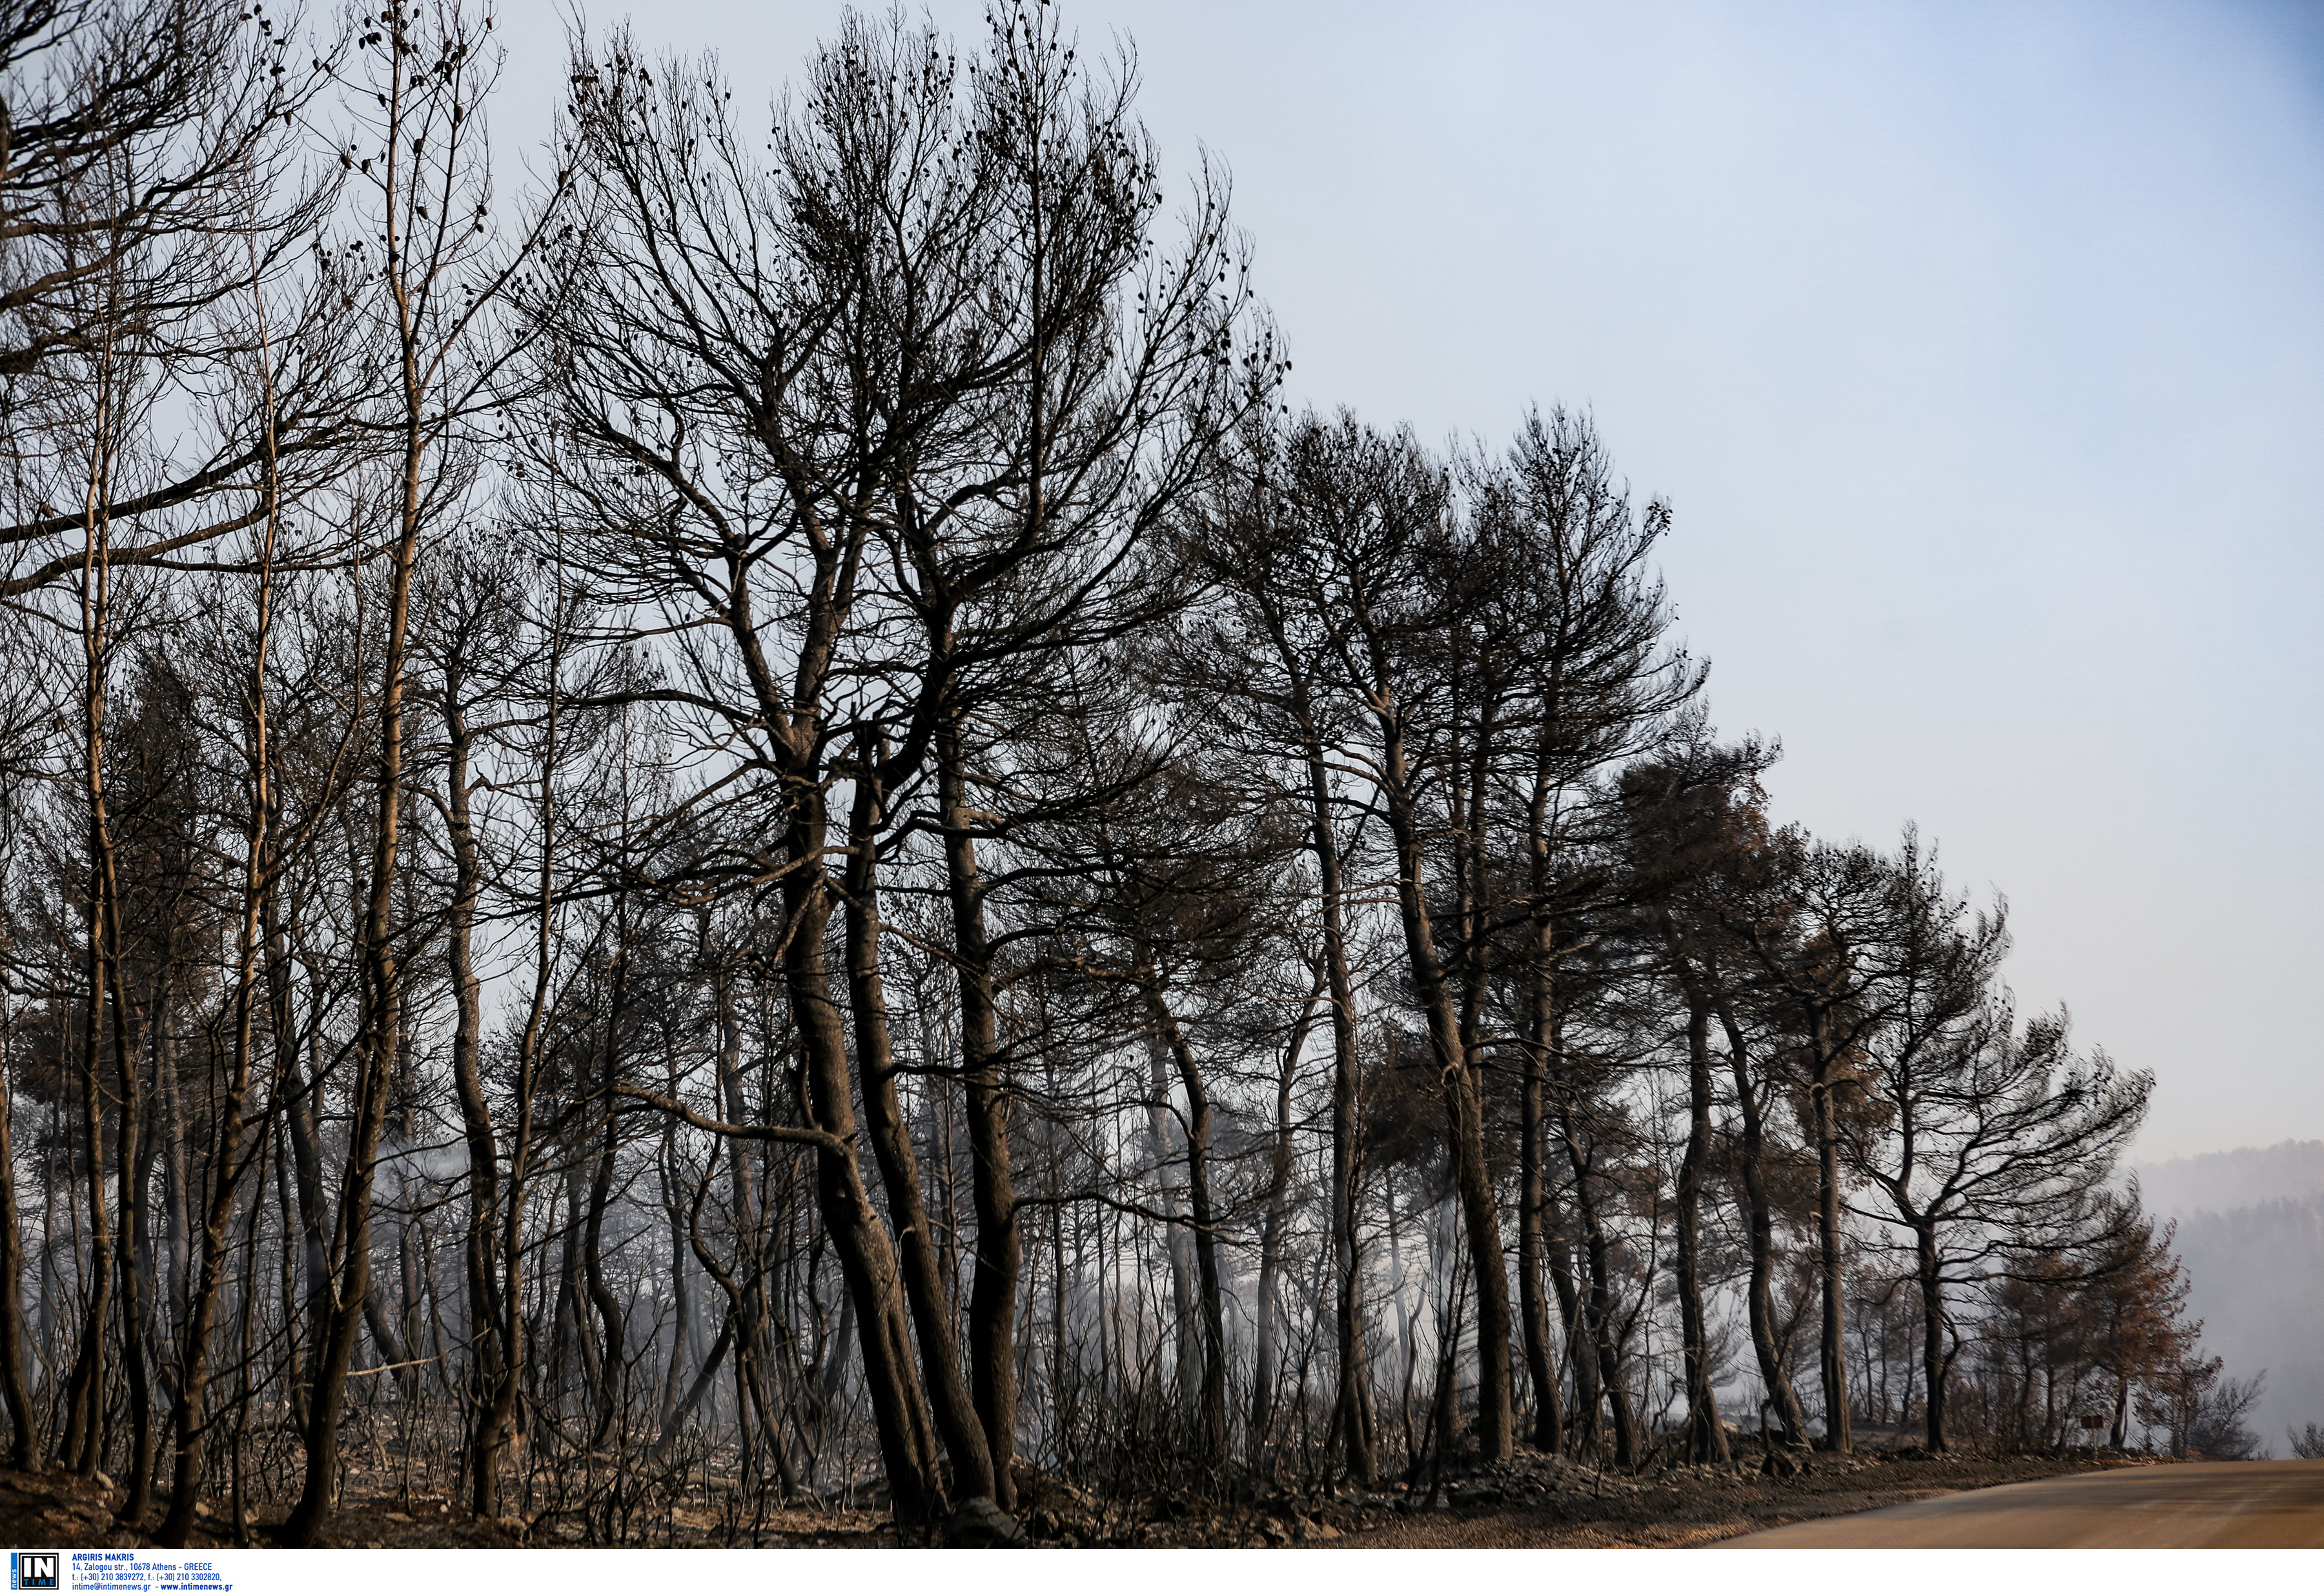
{"points": [[1532, 1502]]}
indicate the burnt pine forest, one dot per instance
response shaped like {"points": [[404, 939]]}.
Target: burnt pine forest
{"points": [[742, 817]]}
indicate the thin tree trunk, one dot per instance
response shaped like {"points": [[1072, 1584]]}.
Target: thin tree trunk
{"points": [[1351, 1397], [1533, 1197], [907, 1442], [1584, 1425], [23, 1436], [1272, 1224], [1706, 1436], [612, 1361], [1760, 1226], [191, 1417], [1933, 1369], [1211, 1408], [1464, 1112], [1000, 1258], [956, 1417], [1598, 1314], [487, 1317], [86, 1400], [1833, 1343], [1177, 1251]]}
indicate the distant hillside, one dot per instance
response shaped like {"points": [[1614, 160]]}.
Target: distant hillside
{"points": [[2251, 1233], [2219, 1181]]}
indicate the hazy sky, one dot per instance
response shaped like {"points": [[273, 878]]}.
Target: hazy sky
{"points": [[1980, 350]]}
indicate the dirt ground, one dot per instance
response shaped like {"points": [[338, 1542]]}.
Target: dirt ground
{"points": [[1536, 1503], [1542, 1502], [60, 1511], [1532, 1502]]}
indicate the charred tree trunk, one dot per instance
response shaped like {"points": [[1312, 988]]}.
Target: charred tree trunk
{"points": [[1463, 1085], [1271, 1227], [1706, 1437], [1597, 1299], [1352, 1403], [867, 1261], [1759, 1224], [613, 1361], [1584, 1428], [999, 1250], [22, 1443], [1211, 1407], [1935, 1367], [1532, 1196], [930, 1303], [190, 1415], [495, 1374], [1833, 1342]]}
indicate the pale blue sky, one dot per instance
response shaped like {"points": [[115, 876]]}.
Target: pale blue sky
{"points": [[1979, 348]]}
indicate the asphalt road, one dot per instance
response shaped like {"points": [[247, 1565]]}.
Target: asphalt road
{"points": [[2246, 1505]]}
